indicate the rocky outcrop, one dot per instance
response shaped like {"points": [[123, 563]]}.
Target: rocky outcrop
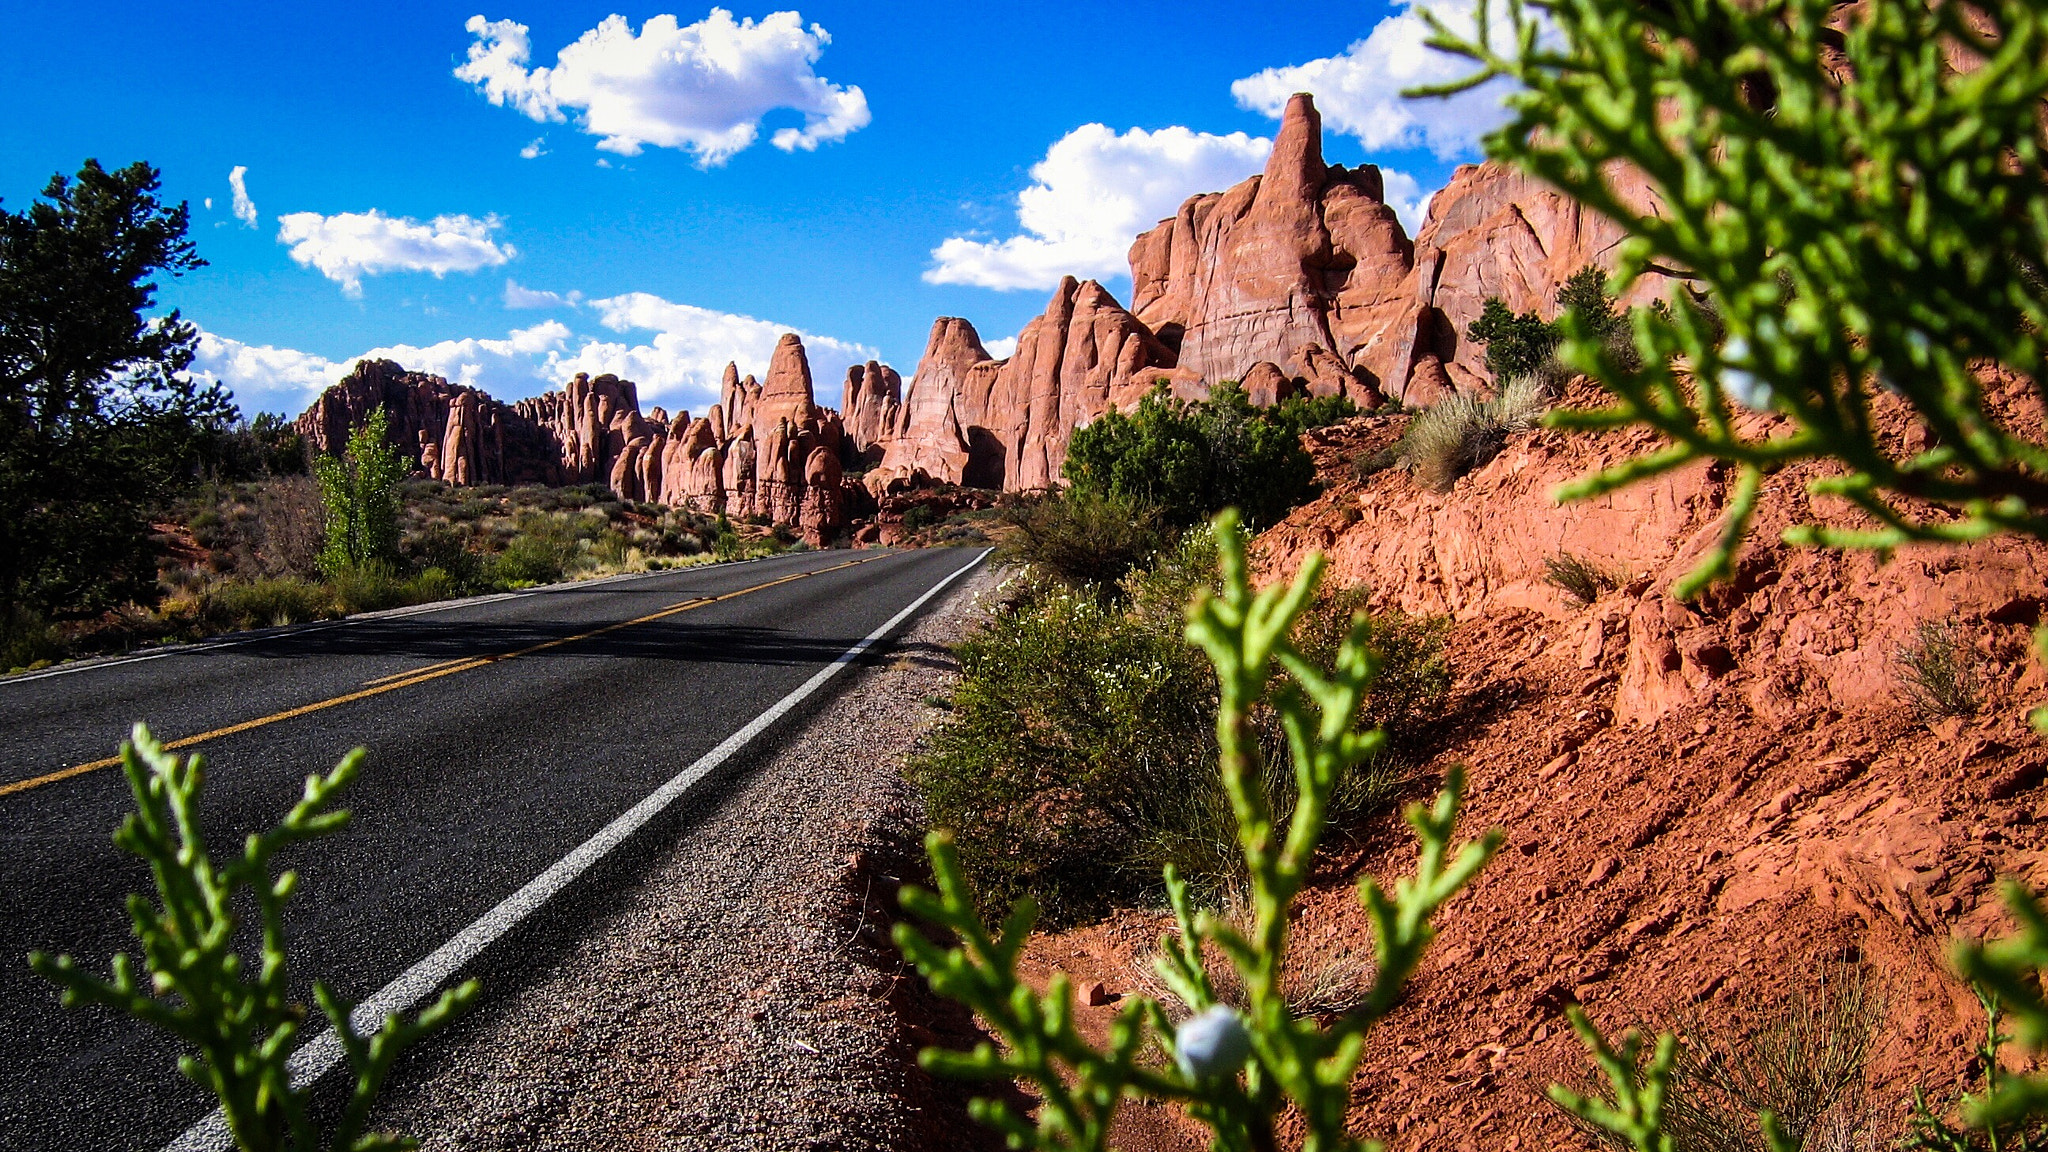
{"points": [[764, 449], [451, 433], [872, 407], [1304, 254], [1492, 231], [1005, 423]]}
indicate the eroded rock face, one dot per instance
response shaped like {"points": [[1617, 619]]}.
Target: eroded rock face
{"points": [[1493, 232], [872, 407], [1303, 254], [1005, 423], [764, 449], [452, 433]]}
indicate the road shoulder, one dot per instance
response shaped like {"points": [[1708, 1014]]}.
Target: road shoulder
{"points": [[744, 993]]}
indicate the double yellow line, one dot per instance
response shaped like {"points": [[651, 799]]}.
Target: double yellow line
{"points": [[395, 681]]}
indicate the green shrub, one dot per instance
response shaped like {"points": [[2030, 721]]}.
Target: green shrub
{"points": [[1156, 455], [543, 551], [1578, 577], [1192, 460], [27, 639], [1462, 431], [1242, 1071], [1079, 755], [1938, 671], [1298, 414], [369, 587], [917, 518], [1516, 345], [1082, 538], [237, 605]]}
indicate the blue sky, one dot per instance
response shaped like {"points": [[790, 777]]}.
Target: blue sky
{"points": [[683, 182]]}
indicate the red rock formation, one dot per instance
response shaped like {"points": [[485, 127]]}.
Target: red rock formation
{"points": [[764, 449], [871, 407], [1303, 254], [1005, 424], [454, 433], [1492, 232]]}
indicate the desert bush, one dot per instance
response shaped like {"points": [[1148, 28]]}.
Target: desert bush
{"points": [[1800, 1056], [544, 551], [1242, 1072], [440, 547], [1298, 414], [1578, 577], [1079, 755], [1082, 538], [234, 605], [370, 587], [1462, 432], [1938, 672], [27, 640], [240, 1015], [1192, 460], [918, 517], [1516, 344]]}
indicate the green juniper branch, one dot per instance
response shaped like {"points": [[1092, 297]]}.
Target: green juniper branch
{"points": [[242, 1025], [1859, 216]]}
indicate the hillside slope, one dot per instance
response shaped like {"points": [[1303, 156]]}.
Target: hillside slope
{"points": [[1707, 807]]}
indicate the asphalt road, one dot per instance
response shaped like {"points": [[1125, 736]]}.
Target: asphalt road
{"points": [[482, 773]]}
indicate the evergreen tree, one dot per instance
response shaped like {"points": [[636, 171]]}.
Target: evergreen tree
{"points": [[98, 424]]}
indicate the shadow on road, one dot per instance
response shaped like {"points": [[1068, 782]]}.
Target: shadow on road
{"points": [[657, 640]]}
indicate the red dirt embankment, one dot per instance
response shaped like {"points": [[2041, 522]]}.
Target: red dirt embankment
{"points": [[1705, 804]]}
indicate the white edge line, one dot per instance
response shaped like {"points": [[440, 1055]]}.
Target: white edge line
{"points": [[322, 1053], [234, 641]]}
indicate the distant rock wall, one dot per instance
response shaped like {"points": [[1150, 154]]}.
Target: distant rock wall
{"points": [[765, 449]]}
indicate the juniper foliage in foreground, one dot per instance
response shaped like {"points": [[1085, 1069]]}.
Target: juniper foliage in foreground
{"points": [[1847, 210], [241, 1023]]}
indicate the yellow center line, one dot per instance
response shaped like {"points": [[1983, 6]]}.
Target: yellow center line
{"points": [[416, 676]]}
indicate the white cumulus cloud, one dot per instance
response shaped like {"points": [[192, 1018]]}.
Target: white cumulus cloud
{"points": [[264, 378], [1001, 349], [534, 149], [504, 367], [1093, 193], [702, 88], [245, 208], [676, 353], [351, 245], [517, 296], [1359, 92]]}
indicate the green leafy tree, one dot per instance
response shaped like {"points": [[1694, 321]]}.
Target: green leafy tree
{"points": [[360, 490], [1516, 345], [1584, 295], [1156, 455], [237, 1017], [1256, 463], [98, 423]]}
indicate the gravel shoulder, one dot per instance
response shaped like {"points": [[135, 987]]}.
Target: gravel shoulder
{"points": [[738, 989]]}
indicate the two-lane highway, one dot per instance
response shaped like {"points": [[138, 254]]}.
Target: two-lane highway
{"points": [[503, 734]]}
